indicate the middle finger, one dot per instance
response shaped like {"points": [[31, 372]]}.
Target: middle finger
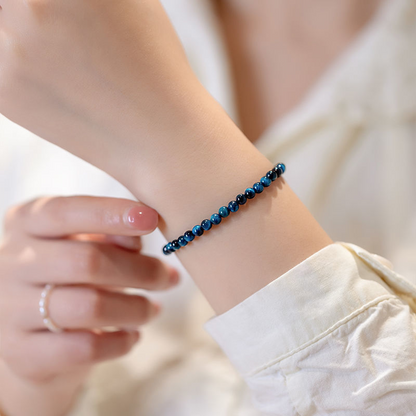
{"points": [[78, 262]]}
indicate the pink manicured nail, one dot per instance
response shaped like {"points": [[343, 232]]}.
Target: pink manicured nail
{"points": [[142, 218]]}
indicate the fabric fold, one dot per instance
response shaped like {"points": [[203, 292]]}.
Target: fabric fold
{"points": [[299, 306]]}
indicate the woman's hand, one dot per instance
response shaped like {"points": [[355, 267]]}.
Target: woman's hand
{"points": [[90, 75], [109, 82], [89, 248]]}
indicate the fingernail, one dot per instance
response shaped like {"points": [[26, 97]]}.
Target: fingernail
{"points": [[142, 218], [135, 334], [173, 276], [156, 309]]}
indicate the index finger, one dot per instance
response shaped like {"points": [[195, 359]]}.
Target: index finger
{"points": [[55, 217]]}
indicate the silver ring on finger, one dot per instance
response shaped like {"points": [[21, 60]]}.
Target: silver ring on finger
{"points": [[44, 309]]}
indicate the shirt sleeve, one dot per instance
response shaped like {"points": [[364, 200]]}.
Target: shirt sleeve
{"points": [[335, 335]]}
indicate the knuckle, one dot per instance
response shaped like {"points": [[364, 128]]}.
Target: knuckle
{"points": [[18, 214], [50, 207], [53, 208], [103, 217], [12, 215]]}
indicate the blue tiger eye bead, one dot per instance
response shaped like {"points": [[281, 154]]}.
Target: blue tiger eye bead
{"points": [[272, 175], [215, 219], [189, 236], [277, 170], [224, 212], [265, 181], [170, 247], [233, 206], [175, 245], [198, 230], [241, 199], [258, 188], [166, 251], [250, 193], [282, 167], [206, 225], [182, 241]]}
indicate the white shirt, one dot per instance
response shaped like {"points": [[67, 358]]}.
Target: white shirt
{"points": [[331, 336]]}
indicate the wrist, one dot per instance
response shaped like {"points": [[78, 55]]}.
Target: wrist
{"points": [[197, 162], [251, 249], [189, 170]]}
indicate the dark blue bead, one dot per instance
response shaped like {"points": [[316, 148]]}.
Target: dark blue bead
{"points": [[241, 199], [170, 247], [277, 170], [189, 236], [215, 219], [198, 230], [250, 193], [206, 225], [233, 206], [272, 175], [166, 250], [282, 167], [265, 181], [175, 245], [182, 241], [224, 212], [258, 188]]}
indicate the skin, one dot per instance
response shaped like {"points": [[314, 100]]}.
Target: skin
{"points": [[151, 108], [90, 248], [120, 94]]}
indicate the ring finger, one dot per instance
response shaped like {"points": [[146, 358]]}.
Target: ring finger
{"points": [[85, 307]]}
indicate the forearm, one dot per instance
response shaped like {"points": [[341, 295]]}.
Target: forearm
{"points": [[121, 95], [187, 179], [22, 398]]}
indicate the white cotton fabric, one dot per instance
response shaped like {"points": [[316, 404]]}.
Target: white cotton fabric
{"points": [[336, 334], [330, 336]]}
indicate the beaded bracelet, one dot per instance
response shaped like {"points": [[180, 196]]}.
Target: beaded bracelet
{"points": [[224, 211]]}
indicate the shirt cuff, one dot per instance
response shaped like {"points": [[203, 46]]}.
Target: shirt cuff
{"points": [[298, 306]]}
